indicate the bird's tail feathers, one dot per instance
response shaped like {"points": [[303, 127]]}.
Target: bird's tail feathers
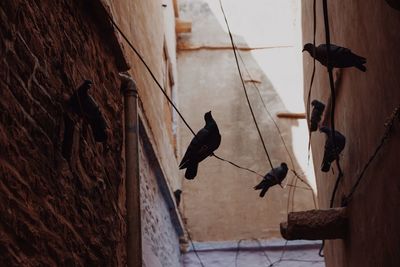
{"points": [[184, 164], [361, 67], [325, 166], [191, 171], [264, 191], [259, 186]]}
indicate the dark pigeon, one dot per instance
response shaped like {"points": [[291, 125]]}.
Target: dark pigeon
{"points": [[318, 109], [330, 153], [177, 195], [85, 106], [394, 4], [273, 177], [341, 57], [206, 141]]}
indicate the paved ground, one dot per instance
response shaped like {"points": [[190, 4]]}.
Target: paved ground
{"points": [[297, 254]]}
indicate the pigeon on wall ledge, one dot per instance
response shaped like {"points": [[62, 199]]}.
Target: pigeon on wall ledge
{"points": [[318, 109], [340, 57], [330, 153], [85, 106]]}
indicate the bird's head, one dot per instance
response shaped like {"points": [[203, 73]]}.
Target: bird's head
{"points": [[87, 82], [178, 192], [208, 116], [284, 165], [309, 48], [318, 105], [85, 86], [325, 129]]}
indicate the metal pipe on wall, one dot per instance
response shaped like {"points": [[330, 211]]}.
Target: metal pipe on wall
{"points": [[132, 183]]}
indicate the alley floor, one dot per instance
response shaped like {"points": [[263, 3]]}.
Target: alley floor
{"points": [[250, 254]]}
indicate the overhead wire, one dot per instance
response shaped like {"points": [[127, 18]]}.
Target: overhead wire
{"points": [[244, 86], [388, 130], [191, 130], [293, 169], [312, 77], [165, 93], [255, 121]]}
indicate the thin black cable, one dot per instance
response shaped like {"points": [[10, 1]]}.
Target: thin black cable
{"points": [[237, 166], [312, 77], [333, 98], [279, 131], [194, 249], [333, 105], [259, 245], [166, 95], [389, 128], [150, 72], [244, 86]]}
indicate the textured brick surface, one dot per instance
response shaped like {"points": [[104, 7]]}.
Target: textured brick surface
{"points": [[56, 212]]}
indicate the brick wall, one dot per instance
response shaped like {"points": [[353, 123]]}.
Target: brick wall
{"points": [[56, 212]]}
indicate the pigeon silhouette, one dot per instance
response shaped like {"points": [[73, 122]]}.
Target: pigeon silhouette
{"points": [[318, 109], [330, 153], [85, 106], [206, 141], [340, 57], [273, 177]]}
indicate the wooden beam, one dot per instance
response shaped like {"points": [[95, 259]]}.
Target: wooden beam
{"points": [[176, 8], [291, 115], [182, 26], [315, 225]]}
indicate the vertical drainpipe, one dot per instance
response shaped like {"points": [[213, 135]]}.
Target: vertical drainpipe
{"points": [[132, 183]]}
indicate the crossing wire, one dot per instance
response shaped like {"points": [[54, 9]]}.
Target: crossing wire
{"points": [[244, 86]]}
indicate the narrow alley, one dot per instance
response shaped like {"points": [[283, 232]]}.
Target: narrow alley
{"points": [[199, 133]]}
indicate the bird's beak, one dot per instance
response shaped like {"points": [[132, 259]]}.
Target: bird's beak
{"points": [[303, 50]]}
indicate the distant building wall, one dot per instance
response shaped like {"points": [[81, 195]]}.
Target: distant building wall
{"points": [[364, 102], [220, 203], [61, 212]]}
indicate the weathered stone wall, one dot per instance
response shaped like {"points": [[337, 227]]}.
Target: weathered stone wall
{"points": [[160, 238], [56, 212], [364, 102]]}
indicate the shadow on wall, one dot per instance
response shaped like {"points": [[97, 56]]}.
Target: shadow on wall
{"points": [[221, 204]]}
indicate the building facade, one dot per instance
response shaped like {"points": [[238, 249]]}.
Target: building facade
{"points": [[364, 103], [63, 192]]}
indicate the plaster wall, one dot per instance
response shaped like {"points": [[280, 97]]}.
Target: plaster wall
{"points": [[151, 29], [220, 203], [364, 102]]}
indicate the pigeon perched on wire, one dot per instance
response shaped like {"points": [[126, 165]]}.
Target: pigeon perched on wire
{"points": [[206, 141], [330, 153], [318, 109], [85, 106], [340, 57], [273, 177]]}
